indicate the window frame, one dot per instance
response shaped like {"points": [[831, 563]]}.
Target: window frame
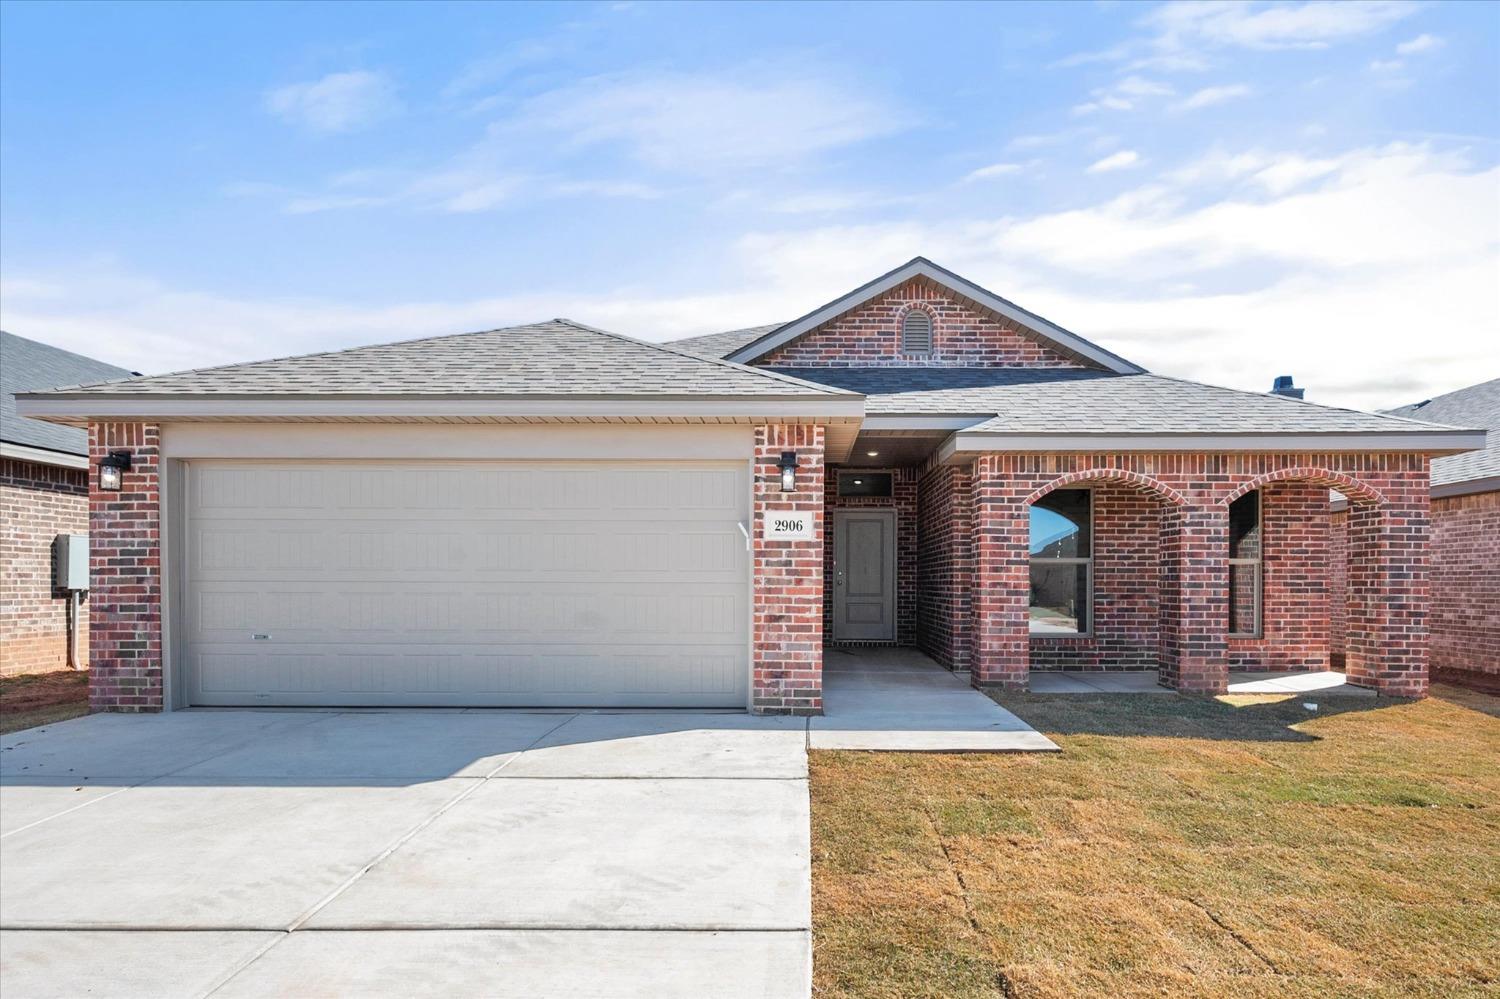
{"points": [[1087, 562], [1258, 562], [838, 484]]}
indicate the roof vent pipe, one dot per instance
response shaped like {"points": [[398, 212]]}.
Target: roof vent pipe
{"points": [[1283, 386]]}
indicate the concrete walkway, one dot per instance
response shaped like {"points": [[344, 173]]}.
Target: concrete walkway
{"points": [[254, 853], [900, 700], [1144, 682]]}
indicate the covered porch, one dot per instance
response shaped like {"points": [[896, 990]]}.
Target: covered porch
{"points": [[1198, 572]]}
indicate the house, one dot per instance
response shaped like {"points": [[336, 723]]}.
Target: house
{"points": [[44, 487], [1464, 621], [556, 515]]}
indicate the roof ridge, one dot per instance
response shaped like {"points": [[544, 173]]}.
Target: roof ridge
{"points": [[1038, 325], [1302, 402], [679, 352], [1467, 389], [301, 357]]}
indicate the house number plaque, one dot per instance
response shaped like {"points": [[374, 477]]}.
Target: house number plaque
{"points": [[787, 525]]}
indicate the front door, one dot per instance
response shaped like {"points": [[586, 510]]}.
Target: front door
{"points": [[864, 575]]}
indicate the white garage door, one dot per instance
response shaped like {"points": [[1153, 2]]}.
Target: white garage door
{"points": [[501, 584]]}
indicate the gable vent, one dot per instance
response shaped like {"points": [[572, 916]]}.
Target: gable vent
{"points": [[916, 332]]}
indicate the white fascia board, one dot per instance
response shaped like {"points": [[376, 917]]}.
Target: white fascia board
{"points": [[1487, 484], [922, 421], [42, 456], [1435, 442], [925, 268], [82, 408]]}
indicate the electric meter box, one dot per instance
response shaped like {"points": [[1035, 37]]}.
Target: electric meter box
{"points": [[70, 561]]}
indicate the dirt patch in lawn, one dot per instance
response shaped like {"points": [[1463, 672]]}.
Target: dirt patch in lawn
{"points": [[41, 698], [1241, 846]]}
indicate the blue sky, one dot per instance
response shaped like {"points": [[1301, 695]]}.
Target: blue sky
{"points": [[1224, 192]]}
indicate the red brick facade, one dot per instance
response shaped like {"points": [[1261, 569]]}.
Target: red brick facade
{"points": [[1465, 616], [1192, 493], [903, 500], [945, 565], [787, 664], [37, 503], [125, 642], [961, 337], [1161, 573]]}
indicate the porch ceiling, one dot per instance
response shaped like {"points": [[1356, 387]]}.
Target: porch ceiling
{"points": [[894, 448]]}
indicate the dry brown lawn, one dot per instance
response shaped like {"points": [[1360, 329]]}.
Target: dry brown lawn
{"points": [[42, 698], [1233, 847]]}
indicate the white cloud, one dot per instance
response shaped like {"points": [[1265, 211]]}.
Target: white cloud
{"points": [[1373, 281], [1209, 96], [1258, 26], [1179, 36], [1415, 46], [992, 171], [1122, 160], [339, 102], [1125, 94], [706, 123], [1421, 43]]}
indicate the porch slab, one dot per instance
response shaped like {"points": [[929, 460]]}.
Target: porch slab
{"points": [[899, 700], [1145, 682], [1328, 682]]}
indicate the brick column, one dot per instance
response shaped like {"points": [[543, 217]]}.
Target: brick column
{"points": [[1000, 639], [787, 671], [1194, 597], [1388, 592], [125, 672]]}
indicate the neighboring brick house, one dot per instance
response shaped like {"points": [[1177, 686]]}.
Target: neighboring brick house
{"points": [[1464, 621], [44, 486], [555, 515]]}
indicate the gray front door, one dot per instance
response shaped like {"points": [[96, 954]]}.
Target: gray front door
{"points": [[864, 575]]}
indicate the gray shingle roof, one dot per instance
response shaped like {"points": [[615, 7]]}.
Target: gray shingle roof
{"points": [[555, 358], [1476, 406], [26, 365], [1053, 400], [724, 344]]}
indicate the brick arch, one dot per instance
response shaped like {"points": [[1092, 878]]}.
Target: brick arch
{"points": [[1134, 480], [1358, 492]]}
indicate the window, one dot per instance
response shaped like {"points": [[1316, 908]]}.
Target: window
{"points": [[864, 483], [1244, 565], [1062, 564], [916, 332]]}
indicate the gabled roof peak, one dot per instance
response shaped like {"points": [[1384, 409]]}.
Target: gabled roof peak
{"points": [[922, 267]]}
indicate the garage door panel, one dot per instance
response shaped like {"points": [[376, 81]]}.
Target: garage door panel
{"points": [[419, 615], [242, 550], [530, 675], [600, 584], [259, 490]]}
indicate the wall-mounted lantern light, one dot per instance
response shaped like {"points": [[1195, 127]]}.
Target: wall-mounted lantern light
{"points": [[112, 468], [788, 466]]}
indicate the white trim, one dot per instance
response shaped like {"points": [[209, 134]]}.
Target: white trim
{"points": [[921, 267], [1433, 442], [935, 422], [1468, 487], [42, 456], [62, 408]]}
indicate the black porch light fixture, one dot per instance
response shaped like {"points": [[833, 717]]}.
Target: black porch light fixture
{"points": [[788, 466], [112, 468]]}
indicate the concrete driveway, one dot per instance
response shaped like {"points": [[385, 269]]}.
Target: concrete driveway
{"points": [[255, 853]]}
